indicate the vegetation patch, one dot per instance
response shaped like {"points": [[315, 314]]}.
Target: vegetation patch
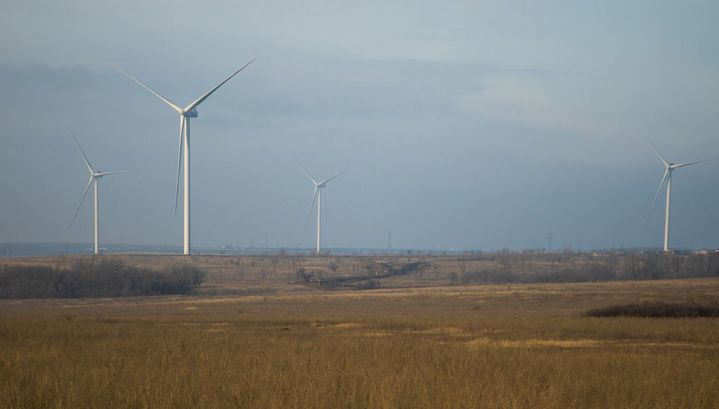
{"points": [[657, 310], [419, 348], [368, 281], [97, 277]]}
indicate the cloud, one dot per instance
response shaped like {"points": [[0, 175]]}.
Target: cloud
{"points": [[518, 101]]}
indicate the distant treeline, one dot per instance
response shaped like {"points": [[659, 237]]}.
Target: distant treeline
{"points": [[508, 267], [96, 277]]}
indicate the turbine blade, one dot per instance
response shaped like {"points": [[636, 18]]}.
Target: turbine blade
{"points": [[309, 175], [681, 165], [179, 159], [109, 173], [167, 101], [81, 200], [199, 100], [87, 162], [660, 155], [312, 206], [333, 177], [661, 184]]}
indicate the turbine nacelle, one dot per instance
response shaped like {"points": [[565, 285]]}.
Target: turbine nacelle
{"points": [[192, 113]]}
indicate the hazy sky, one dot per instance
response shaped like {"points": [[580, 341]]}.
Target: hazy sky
{"points": [[471, 125]]}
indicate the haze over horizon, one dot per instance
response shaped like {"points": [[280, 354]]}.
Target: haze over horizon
{"points": [[468, 125]]}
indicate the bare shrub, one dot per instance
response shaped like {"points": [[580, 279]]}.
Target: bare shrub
{"points": [[97, 277], [657, 310]]}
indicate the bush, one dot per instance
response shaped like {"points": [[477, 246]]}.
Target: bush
{"points": [[97, 277], [657, 310], [532, 267]]}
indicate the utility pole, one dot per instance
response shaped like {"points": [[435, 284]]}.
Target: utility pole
{"points": [[549, 242]]}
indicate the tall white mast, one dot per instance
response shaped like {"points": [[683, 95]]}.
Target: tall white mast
{"points": [[186, 248], [97, 217], [667, 211], [319, 202]]}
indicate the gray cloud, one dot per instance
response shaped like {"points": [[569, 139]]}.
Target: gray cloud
{"points": [[472, 125]]}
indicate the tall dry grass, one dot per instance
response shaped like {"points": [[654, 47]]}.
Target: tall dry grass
{"points": [[525, 346]]}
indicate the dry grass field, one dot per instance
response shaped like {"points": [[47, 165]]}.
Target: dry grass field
{"points": [[254, 338]]}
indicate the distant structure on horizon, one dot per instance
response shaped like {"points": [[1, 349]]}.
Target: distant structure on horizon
{"points": [[669, 169], [316, 196], [95, 176]]}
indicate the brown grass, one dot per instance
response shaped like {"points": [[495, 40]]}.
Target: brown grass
{"points": [[524, 346]]}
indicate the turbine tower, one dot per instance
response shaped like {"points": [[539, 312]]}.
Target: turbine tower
{"points": [[316, 196], [190, 111], [95, 176], [668, 171]]}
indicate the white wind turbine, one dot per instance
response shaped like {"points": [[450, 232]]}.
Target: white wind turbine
{"points": [[668, 171], [95, 176], [316, 196], [190, 111]]}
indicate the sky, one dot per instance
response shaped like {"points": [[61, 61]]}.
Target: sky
{"points": [[463, 125]]}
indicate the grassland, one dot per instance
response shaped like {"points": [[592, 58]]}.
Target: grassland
{"points": [[261, 340]]}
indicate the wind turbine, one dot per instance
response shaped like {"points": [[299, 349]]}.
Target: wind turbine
{"points": [[190, 111], [95, 176], [316, 196], [668, 171]]}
